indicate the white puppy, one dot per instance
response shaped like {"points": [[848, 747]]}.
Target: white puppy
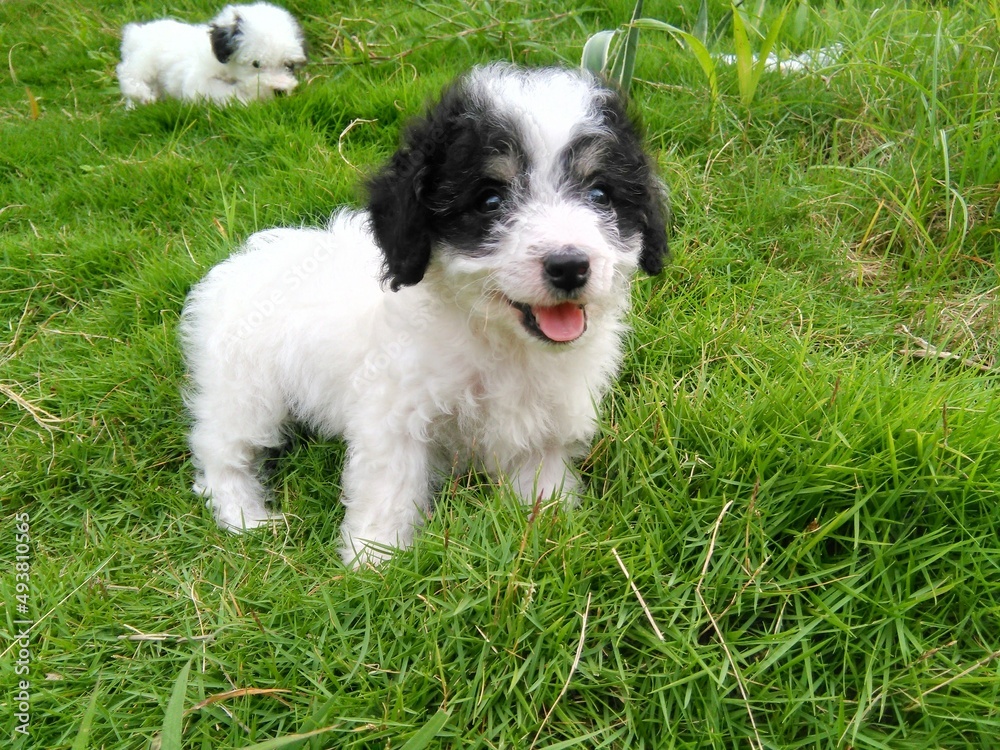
{"points": [[247, 52], [472, 316]]}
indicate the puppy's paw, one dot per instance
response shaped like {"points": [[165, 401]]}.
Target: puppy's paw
{"points": [[237, 516], [553, 479], [365, 555], [247, 519], [570, 494], [371, 548]]}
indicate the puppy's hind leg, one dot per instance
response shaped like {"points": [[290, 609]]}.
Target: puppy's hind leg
{"points": [[134, 89], [227, 449], [137, 69]]}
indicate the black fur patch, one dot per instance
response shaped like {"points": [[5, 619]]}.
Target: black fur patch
{"points": [[225, 40], [624, 171]]}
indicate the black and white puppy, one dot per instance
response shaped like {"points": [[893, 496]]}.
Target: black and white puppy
{"points": [[246, 52], [472, 316]]}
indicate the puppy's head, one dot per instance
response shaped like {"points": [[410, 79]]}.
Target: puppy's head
{"points": [[261, 45], [528, 195]]}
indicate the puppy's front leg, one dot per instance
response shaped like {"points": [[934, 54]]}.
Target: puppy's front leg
{"points": [[541, 476], [387, 493], [217, 90]]}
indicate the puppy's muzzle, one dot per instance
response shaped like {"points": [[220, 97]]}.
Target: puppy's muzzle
{"points": [[567, 270]]}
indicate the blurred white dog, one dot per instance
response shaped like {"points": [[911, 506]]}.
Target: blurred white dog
{"points": [[246, 52], [472, 316]]}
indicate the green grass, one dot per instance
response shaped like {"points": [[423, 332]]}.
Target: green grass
{"points": [[799, 468]]}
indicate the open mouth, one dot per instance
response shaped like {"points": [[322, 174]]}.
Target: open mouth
{"points": [[557, 324]]}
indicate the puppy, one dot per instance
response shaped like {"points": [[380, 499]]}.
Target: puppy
{"points": [[472, 316], [247, 52]]}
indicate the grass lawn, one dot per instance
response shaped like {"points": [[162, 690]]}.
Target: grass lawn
{"points": [[790, 538]]}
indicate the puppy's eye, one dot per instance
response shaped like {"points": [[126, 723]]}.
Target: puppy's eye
{"points": [[256, 63], [599, 196], [489, 201]]}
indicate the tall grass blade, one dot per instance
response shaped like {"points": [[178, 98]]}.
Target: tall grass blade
{"points": [[312, 727], [173, 719], [291, 740], [697, 47], [427, 732], [624, 61], [801, 19], [748, 70], [705, 61], [759, 14], [739, 9], [700, 29], [744, 59], [597, 50], [720, 29], [769, 41], [82, 739]]}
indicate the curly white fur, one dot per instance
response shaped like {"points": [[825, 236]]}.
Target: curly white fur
{"points": [[246, 52], [493, 360]]}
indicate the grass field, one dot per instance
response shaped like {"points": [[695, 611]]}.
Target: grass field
{"points": [[790, 538]]}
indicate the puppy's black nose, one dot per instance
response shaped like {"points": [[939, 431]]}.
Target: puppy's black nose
{"points": [[568, 269]]}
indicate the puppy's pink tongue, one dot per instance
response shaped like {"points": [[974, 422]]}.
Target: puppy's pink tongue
{"points": [[563, 322]]}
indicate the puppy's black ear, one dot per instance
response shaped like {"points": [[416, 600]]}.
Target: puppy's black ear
{"points": [[654, 229], [399, 220], [632, 176], [225, 38], [405, 198]]}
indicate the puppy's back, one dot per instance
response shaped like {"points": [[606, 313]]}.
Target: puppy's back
{"points": [[164, 33]]}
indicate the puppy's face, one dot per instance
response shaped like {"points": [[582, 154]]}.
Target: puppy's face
{"points": [[528, 196], [261, 45]]}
